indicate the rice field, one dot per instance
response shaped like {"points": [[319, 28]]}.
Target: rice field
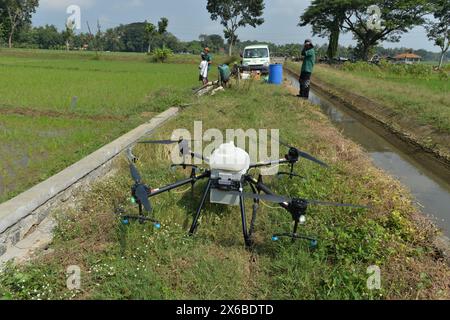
{"points": [[56, 108]]}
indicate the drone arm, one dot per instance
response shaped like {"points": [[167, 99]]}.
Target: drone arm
{"points": [[199, 156], [178, 184], [269, 163]]}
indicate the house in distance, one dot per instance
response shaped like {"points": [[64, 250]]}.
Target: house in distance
{"points": [[407, 58]]}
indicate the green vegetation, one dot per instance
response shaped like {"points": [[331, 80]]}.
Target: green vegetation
{"points": [[397, 17], [137, 262], [14, 15], [34, 147], [44, 128], [102, 87], [415, 92], [438, 30], [161, 54], [236, 14]]}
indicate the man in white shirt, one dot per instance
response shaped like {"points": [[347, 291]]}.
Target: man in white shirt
{"points": [[204, 65]]}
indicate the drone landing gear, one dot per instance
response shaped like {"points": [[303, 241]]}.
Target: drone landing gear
{"points": [[290, 174], [247, 234], [298, 210], [141, 218], [293, 159], [295, 236], [247, 238], [200, 208]]}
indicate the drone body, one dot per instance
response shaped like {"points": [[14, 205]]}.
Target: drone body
{"points": [[227, 176]]}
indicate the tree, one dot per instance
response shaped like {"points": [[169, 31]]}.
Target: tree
{"points": [[326, 18], [214, 41], [163, 24], [68, 34], [113, 40], [133, 37], [194, 47], [95, 39], [18, 13], [150, 30], [329, 18], [397, 16], [234, 14], [3, 18], [2, 33], [46, 37], [438, 30]]}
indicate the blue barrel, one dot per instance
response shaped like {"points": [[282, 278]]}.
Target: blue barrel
{"points": [[276, 74]]}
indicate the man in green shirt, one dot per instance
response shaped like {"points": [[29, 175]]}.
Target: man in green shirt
{"points": [[309, 60], [208, 57]]}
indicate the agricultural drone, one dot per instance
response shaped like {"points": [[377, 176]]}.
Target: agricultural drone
{"points": [[227, 176]]}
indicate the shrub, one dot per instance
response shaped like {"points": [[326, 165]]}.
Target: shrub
{"points": [[385, 68], [443, 75], [161, 54]]}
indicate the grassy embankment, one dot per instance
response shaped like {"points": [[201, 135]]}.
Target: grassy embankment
{"points": [[416, 103], [137, 262], [41, 132]]}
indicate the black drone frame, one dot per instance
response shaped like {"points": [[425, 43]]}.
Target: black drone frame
{"points": [[297, 207]]}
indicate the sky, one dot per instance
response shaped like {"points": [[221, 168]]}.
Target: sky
{"points": [[189, 18]]}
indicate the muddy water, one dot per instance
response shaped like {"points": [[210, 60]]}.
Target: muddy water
{"points": [[428, 181]]}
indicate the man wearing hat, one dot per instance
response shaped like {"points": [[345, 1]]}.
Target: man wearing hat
{"points": [[309, 60], [207, 57]]}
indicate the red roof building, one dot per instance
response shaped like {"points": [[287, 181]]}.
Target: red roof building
{"points": [[407, 58]]}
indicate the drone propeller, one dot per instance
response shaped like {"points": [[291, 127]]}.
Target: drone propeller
{"points": [[280, 199], [298, 153], [140, 190], [135, 174]]}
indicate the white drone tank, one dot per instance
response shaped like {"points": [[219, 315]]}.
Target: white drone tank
{"points": [[230, 158], [228, 164]]}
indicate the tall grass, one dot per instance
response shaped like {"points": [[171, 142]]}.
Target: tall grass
{"points": [[416, 92], [138, 262]]}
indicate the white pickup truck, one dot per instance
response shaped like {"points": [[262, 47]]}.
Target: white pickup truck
{"points": [[256, 58]]}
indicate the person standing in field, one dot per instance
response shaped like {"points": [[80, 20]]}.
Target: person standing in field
{"points": [[309, 60], [204, 67], [207, 56]]}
